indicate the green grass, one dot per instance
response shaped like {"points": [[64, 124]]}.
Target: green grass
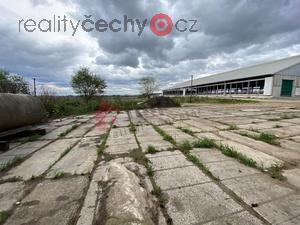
{"points": [[269, 138], [204, 143], [102, 146], [149, 168], [31, 138], [15, 161], [208, 100], [232, 127], [151, 149], [265, 137], [276, 173], [185, 147], [57, 106], [230, 152], [3, 216], [132, 127], [10, 180], [59, 175], [159, 195], [165, 136], [186, 130], [199, 164]]}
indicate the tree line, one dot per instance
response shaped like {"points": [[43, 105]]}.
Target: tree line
{"points": [[84, 83]]}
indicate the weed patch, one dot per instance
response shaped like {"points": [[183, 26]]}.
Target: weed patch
{"points": [[230, 152], [3, 216], [151, 149], [199, 164], [232, 127], [15, 161], [11, 180], [159, 195], [132, 127], [32, 138], [185, 147], [276, 172], [59, 175], [204, 143], [186, 130], [165, 136], [265, 137], [268, 138]]}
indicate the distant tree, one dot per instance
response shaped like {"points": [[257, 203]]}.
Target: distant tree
{"points": [[10, 83], [148, 86], [87, 84]]}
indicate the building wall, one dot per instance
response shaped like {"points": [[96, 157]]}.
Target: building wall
{"points": [[277, 84], [268, 86]]}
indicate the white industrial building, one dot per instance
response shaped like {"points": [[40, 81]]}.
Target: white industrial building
{"points": [[280, 78]]}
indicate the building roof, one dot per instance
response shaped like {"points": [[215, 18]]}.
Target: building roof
{"points": [[268, 68]]}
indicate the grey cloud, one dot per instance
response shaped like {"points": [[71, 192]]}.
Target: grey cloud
{"points": [[231, 34]]}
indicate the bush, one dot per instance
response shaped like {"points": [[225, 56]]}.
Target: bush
{"points": [[65, 106]]}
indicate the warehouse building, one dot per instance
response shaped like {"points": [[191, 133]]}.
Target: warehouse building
{"points": [[280, 78]]}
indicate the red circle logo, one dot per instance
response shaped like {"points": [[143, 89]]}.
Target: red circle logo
{"points": [[161, 24]]}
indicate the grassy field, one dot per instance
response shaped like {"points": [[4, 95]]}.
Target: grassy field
{"points": [[59, 106]]}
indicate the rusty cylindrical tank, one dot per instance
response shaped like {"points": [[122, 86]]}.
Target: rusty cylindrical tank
{"points": [[17, 110]]}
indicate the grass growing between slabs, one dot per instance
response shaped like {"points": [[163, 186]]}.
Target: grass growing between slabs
{"points": [[151, 149], [186, 130], [164, 135], [264, 137], [230, 152], [14, 162], [204, 143], [3, 216]]}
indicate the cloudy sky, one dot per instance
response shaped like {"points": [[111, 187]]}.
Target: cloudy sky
{"points": [[231, 34]]}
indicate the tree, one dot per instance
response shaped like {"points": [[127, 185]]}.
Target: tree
{"points": [[87, 84], [148, 86], [10, 83]]}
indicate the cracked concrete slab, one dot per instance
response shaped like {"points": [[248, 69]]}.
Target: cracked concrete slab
{"points": [[80, 131], [275, 151], [97, 131], [80, 160], [262, 159], [230, 169], [177, 134], [26, 149], [242, 218], [284, 132], [208, 155], [258, 188], [10, 193], [116, 190], [200, 203], [40, 161], [51, 203], [169, 162], [293, 176], [281, 211], [180, 177]]}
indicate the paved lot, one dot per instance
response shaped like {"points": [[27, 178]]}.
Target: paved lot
{"points": [[85, 171]]}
